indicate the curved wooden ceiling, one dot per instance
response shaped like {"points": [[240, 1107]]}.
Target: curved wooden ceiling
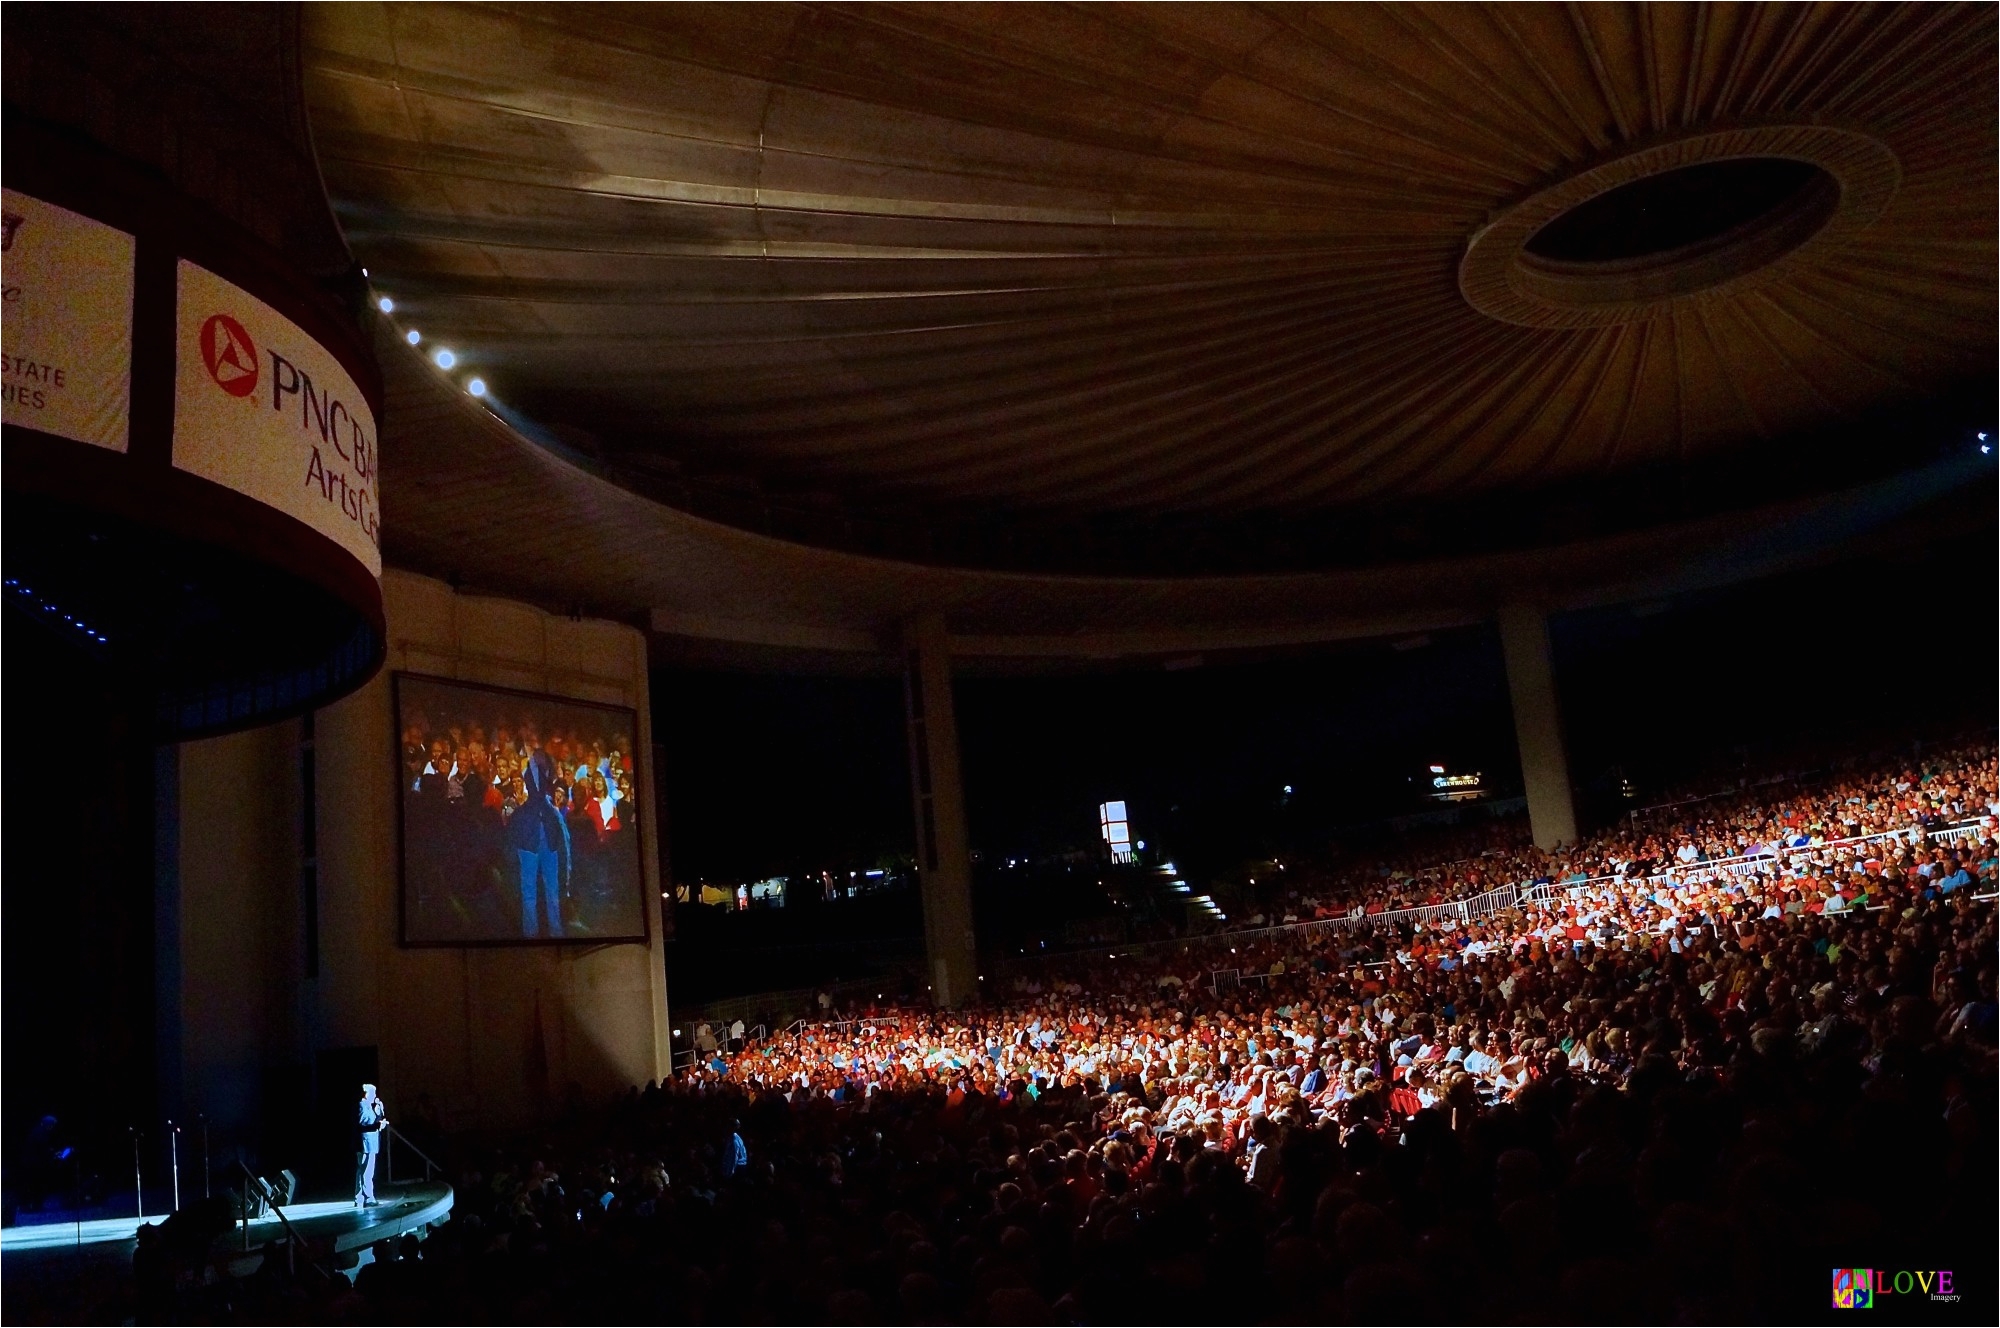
{"points": [[470, 501], [1174, 268]]}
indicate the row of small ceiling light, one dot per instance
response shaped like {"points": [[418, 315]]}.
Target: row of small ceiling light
{"points": [[442, 357]]}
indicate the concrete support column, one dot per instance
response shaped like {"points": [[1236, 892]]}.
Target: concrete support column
{"points": [[1524, 640], [944, 859]]}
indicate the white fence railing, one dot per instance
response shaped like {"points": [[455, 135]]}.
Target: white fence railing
{"points": [[1749, 864], [1509, 896]]}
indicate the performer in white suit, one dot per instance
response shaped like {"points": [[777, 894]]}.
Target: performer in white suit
{"points": [[374, 1120]]}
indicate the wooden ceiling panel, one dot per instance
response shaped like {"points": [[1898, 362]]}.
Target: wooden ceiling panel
{"points": [[1177, 266]]}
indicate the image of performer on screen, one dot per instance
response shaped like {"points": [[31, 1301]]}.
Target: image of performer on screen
{"points": [[539, 836]]}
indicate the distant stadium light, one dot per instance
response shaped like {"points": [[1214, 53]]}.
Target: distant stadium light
{"points": [[445, 359], [477, 387], [386, 305], [413, 336]]}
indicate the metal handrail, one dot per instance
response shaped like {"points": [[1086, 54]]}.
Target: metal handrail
{"points": [[388, 1168], [294, 1242], [746, 1007]]}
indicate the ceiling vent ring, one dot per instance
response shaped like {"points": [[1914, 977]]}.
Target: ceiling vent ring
{"points": [[1672, 223]]}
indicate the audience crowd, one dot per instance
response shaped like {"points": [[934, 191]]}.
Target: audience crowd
{"points": [[1655, 1089], [1445, 864], [458, 768]]}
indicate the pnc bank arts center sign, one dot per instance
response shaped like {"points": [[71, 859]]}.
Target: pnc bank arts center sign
{"points": [[263, 408]]}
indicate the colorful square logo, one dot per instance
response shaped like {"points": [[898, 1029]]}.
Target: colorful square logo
{"points": [[1851, 1290]]}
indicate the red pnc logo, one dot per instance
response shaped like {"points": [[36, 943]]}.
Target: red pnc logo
{"points": [[230, 355]]}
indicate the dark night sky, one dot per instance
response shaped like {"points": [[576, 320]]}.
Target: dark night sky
{"points": [[769, 774], [1201, 756]]}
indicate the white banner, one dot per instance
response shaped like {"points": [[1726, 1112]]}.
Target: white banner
{"points": [[261, 407], [66, 334]]}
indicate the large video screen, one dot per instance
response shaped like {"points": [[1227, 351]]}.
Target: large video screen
{"points": [[520, 817]]}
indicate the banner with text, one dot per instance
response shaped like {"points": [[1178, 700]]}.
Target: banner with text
{"points": [[66, 330], [262, 408]]}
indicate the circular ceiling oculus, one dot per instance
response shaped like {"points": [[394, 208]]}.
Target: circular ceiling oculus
{"points": [[1690, 219]]}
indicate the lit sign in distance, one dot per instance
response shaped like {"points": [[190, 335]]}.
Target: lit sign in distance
{"points": [[1457, 788]]}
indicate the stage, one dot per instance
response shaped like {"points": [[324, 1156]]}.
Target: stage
{"points": [[415, 1207], [60, 1272]]}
